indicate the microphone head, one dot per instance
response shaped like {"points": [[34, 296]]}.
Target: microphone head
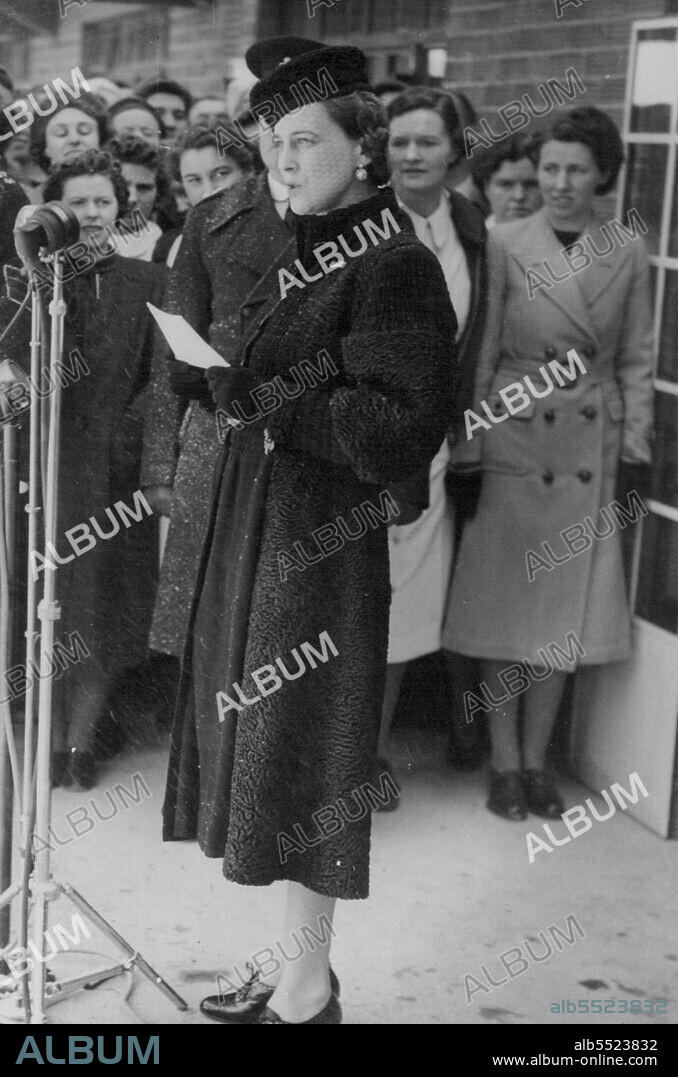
{"points": [[48, 228]]}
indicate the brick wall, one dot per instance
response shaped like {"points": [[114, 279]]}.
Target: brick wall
{"points": [[500, 49], [497, 49], [204, 44]]}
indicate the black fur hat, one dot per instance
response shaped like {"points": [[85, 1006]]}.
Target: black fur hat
{"points": [[263, 57], [325, 73]]}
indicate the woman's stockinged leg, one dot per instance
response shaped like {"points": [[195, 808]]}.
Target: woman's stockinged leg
{"points": [[303, 989], [395, 672], [542, 700], [503, 722], [87, 698]]}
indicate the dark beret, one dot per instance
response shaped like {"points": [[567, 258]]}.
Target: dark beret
{"points": [[263, 57], [325, 73]]}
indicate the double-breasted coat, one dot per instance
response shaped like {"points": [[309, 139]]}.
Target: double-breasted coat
{"points": [[230, 243], [295, 760], [553, 464]]}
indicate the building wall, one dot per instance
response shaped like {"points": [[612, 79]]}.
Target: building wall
{"points": [[500, 49], [497, 49], [208, 46], [198, 46]]}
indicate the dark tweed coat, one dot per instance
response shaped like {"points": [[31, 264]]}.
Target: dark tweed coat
{"points": [[107, 593], [386, 321], [229, 243], [12, 198]]}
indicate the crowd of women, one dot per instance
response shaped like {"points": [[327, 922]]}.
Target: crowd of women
{"points": [[432, 322]]}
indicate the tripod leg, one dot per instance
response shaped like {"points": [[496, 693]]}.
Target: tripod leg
{"points": [[7, 530], [5, 841], [107, 929]]}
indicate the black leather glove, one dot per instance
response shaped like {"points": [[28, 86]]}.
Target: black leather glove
{"points": [[411, 496], [189, 382], [632, 477], [463, 487], [231, 389], [408, 513]]}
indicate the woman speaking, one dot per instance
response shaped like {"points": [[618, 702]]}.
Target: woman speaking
{"points": [[250, 779]]}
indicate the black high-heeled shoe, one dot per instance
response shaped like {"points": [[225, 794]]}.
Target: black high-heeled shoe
{"points": [[329, 1015], [507, 796], [245, 1006], [542, 796]]}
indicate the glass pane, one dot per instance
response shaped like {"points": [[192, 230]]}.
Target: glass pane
{"points": [[667, 366], [644, 191], [665, 452], [657, 599], [654, 87]]}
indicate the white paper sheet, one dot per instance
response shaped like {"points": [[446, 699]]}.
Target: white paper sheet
{"points": [[186, 344]]}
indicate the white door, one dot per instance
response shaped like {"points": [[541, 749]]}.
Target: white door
{"points": [[626, 714]]}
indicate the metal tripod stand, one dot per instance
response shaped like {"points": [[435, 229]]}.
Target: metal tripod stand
{"points": [[37, 884]]}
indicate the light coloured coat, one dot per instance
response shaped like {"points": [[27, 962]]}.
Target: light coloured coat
{"points": [[554, 463]]}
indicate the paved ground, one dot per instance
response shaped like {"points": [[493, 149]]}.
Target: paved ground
{"points": [[452, 890]]}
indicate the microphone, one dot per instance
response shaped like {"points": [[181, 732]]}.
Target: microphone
{"points": [[44, 229]]}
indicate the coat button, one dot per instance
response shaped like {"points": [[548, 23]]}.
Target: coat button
{"points": [[549, 416], [584, 476], [550, 352], [547, 477], [589, 412], [589, 351]]}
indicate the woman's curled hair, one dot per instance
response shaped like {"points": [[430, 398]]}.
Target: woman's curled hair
{"points": [[594, 129], [134, 151], [434, 100], [199, 137], [362, 116], [88, 105], [89, 163]]}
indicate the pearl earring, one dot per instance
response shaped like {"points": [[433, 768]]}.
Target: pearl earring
{"points": [[360, 173]]}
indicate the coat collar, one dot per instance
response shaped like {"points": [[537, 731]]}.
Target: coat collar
{"points": [[315, 229], [268, 282], [467, 220], [223, 206], [578, 292], [258, 230]]}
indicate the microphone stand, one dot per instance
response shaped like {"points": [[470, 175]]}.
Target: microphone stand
{"points": [[37, 880], [7, 510]]}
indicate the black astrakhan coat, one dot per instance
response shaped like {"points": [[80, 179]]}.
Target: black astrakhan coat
{"points": [[387, 323]]}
